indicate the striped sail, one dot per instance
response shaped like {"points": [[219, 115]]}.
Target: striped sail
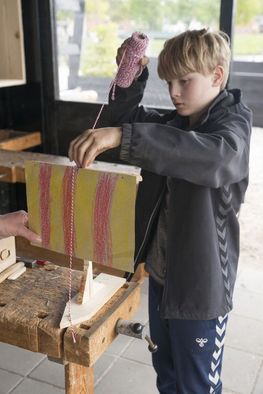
{"points": [[103, 212]]}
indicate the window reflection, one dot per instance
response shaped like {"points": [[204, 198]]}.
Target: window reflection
{"points": [[89, 33]]}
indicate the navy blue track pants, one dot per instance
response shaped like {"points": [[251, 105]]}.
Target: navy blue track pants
{"points": [[190, 352]]}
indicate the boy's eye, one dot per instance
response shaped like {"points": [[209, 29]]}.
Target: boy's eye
{"points": [[184, 81]]}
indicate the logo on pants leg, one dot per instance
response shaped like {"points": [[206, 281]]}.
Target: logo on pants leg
{"points": [[201, 341]]}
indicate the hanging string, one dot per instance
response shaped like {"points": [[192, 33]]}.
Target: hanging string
{"points": [[129, 68], [72, 191]]}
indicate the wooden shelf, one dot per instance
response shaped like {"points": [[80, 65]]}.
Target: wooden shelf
{"points": [[18, 140]]}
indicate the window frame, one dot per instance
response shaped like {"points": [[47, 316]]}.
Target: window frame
{"points": [[64, 120]]}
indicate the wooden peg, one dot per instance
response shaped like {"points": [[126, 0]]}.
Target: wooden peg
{"points": [[86, 284]]}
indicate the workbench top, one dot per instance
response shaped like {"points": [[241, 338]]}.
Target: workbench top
{"points": [[31, 308]]}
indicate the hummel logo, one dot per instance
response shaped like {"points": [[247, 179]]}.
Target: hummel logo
{"points": [[201, 341]]}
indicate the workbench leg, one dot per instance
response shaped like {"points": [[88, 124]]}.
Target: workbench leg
{"points": [[79, 379]]}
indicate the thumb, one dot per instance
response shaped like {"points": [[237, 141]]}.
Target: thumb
{"points": [[30, 235], [144, 61]]}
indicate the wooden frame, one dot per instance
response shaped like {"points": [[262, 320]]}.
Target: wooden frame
{"points": [[12, 65]]}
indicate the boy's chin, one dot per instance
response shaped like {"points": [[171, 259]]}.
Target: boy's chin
{"points": [[183, 112]]}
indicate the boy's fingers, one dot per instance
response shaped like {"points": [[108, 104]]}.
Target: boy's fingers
{"points": [[94, 149], [144, 61], [83, 150], [74, 142], [89, 157], [74, 146], [78, 147], [121, 50]]}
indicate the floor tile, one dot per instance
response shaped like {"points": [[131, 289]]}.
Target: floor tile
{"points": [[259, 382], [245, 334], [240, 370], [251, 278], [229, 392], [104, 363], [29, 386], [50, 372], [138, 351], [18, 360], [128, 377], [247, 303], [8, 381]]}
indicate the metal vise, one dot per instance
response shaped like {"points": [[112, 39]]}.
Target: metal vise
{"points": [[135, 330]]}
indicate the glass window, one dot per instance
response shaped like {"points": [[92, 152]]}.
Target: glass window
{"points": [[89, 33], [248, 37]]}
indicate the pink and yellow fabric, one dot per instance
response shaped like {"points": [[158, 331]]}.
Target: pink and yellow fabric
{"points": [[103, 212]]}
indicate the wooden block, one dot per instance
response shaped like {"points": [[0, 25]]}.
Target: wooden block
{"points": [[10, 270], [94, 336], [8, 174], [107, 286], [17, 273], [85, 289], [12, 164], [7, 252]]}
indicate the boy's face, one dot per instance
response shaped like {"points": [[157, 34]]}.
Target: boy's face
{"points": [[193, 93]]}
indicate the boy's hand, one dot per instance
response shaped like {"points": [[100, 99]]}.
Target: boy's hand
{"points": [[15, 224], [85, 148]]}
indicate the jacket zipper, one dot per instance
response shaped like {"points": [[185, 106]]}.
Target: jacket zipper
{"points": [[148, 226]]}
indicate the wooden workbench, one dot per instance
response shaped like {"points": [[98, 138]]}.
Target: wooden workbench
{"points": [[30, 311]]}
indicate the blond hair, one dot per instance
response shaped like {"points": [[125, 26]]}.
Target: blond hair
{"points": [[194, 51]]}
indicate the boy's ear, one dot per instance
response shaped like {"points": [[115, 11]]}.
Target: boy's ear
{"points": [[218, 76]]}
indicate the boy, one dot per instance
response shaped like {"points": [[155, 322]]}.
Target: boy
{"points": [[195, 174]]}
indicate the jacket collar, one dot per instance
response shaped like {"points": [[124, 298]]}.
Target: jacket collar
{"points": [[225, 98]]}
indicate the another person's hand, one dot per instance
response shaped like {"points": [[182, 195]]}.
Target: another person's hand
{"points": [[15, 223], [85, 148]]}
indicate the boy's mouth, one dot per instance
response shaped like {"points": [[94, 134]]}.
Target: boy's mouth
{"points": [[178, 105]]}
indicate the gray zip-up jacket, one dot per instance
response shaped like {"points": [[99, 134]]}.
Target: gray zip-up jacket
{"points": [[208, 176]]}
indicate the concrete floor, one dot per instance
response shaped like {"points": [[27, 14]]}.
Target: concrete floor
{"points": [[126, 367]]}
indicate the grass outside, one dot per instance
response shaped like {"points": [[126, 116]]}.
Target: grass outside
{"points": [[248, 44], [244, 44]]}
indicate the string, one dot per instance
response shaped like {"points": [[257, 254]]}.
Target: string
{"points": [[128, 69], [73, 179]]}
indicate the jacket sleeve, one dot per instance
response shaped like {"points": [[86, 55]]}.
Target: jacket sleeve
{"points": [[125, 107], [213, 159]]}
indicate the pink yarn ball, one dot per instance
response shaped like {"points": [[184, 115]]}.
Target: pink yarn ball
{"points": [[130, 66]]}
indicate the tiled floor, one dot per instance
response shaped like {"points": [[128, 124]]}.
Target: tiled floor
{"points": [[126, 367]]}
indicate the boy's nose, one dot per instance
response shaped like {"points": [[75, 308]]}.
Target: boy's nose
{"points": [[175, 91]]}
